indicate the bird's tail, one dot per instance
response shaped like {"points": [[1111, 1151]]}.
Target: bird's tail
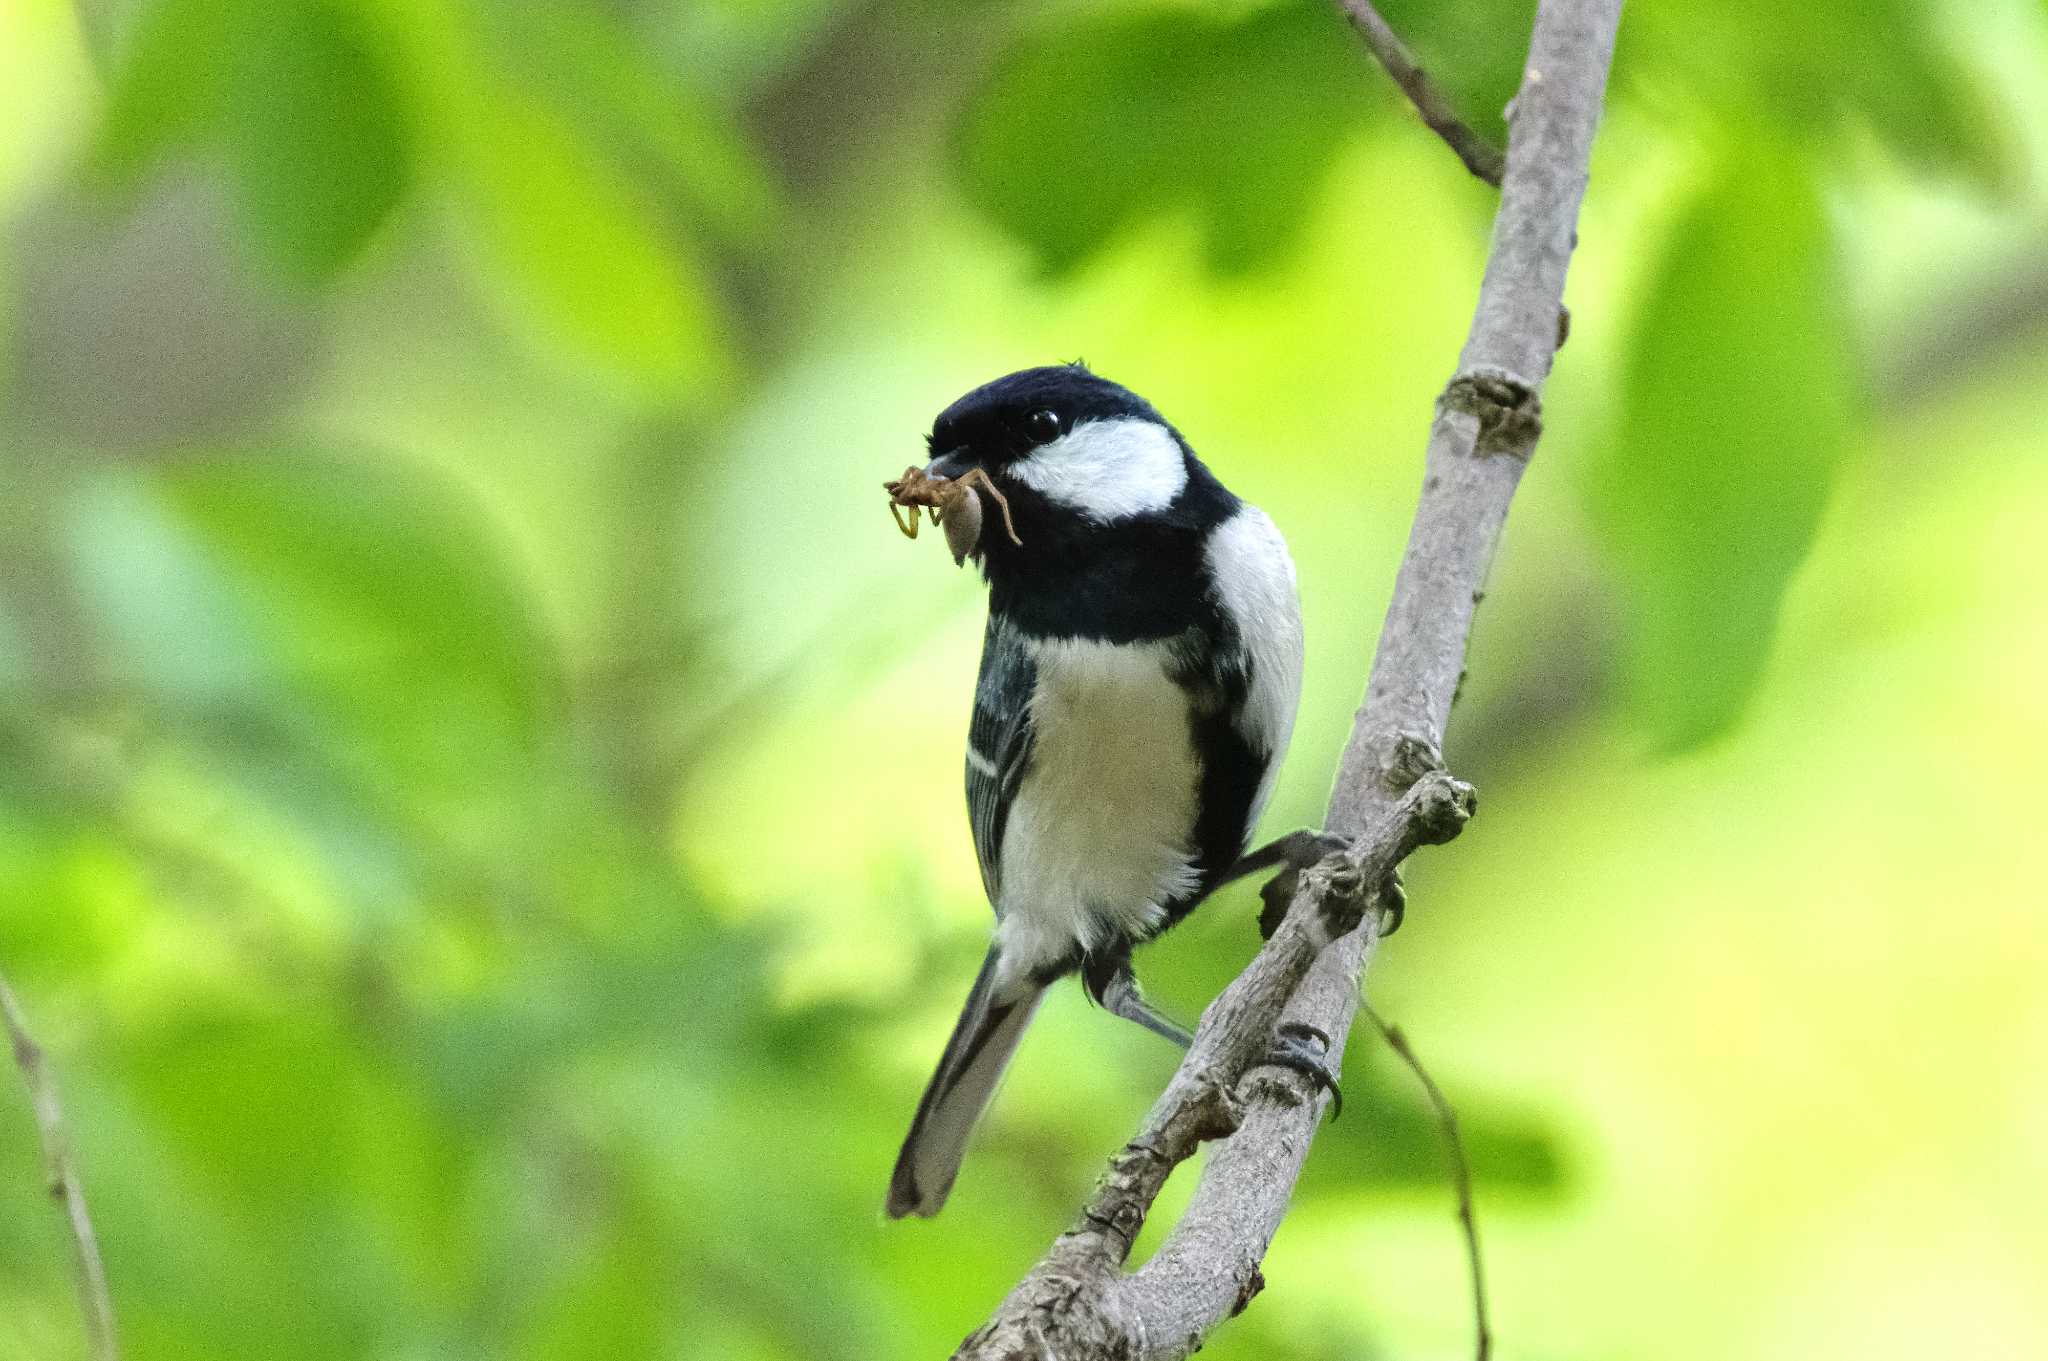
{"points": [[983, 1041]]}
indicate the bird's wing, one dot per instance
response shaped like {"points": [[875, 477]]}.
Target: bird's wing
{"points": [[999, 741]]}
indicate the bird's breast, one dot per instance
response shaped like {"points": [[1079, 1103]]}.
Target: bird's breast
{"points": [[1099, 836]]}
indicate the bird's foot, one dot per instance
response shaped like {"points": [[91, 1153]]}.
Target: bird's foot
{"points": [[1304, 1048], [1393, 904], [1298, 851]]}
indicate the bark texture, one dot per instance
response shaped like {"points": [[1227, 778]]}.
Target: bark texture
{"points": [[1392, 795]]}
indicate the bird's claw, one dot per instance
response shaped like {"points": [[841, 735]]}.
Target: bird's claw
{"points": [[1393, 905], [1302, 1047], [1303, 850]]}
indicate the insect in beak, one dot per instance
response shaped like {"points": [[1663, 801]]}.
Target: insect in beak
{"points": [[953, 503]]}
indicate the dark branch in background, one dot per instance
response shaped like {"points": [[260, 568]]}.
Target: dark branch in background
{"points": [[1391, 795], [1461, 1173], [1480, 156], [1964, 334], [64, 1186]]}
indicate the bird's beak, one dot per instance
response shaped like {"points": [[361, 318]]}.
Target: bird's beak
{"points": [[951, 464]]}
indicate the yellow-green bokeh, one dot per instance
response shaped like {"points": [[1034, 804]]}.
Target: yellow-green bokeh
{"points": [[480, 816]]}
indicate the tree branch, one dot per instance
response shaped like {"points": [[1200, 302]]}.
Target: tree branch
{"points": [[1391, 795], [64, 1187], [1480, 156]]}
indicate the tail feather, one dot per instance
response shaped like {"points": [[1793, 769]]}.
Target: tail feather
{"points": [[987, 1034]]}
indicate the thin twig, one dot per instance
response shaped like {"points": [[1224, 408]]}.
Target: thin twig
{"points": [[1461, 1170], [1480, 156], [64, 1187]]}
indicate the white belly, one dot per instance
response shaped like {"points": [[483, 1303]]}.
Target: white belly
{"points": [[1098, 837]]}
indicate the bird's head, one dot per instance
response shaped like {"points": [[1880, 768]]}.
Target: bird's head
{"points": [[1071, 452]]}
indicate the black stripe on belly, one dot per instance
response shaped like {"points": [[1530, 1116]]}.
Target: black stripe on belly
{"points": [[1216, 671]]}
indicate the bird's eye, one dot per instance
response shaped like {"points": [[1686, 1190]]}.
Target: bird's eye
{"points": [[1043, 426]]}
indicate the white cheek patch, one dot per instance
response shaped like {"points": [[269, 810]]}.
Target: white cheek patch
{"points": [[1107, 470]]}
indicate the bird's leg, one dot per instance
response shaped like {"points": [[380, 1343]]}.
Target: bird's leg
{"points": [[1115, 989], [1300, 1047], [1297, 850], [1293, 853]]}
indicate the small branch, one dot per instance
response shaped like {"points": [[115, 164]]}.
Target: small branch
{"points": [[1480, 156], [1461, 1173], [64, 1187], [1076, 1299]]}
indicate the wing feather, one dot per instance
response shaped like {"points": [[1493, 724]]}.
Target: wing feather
{"points": [[999, 742]]}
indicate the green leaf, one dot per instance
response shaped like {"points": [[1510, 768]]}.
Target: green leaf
{"points": [[321, 148], [1826, 68], [598, 72], [1103, 121], [606, 1301], [1836, 71], [161, 616], [295, 99], [583, 252], [167, 91], [1738, 405], [372, 581], [270, 1226]]}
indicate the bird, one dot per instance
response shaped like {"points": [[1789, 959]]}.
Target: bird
{"points": [[1140, 672]]}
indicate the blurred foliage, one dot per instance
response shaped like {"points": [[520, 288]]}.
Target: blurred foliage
{"points": [[1738, 406], [1820, 73], [479, 805], [292, 98], [1234, 119]]}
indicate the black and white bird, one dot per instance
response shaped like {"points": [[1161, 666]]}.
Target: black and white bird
{"points": [[1139, 679]]}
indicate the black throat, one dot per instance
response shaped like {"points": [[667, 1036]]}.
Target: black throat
{"points": [[1134, 578]]}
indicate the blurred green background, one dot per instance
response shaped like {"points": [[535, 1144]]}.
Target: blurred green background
{"points": [[480, 814]]}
